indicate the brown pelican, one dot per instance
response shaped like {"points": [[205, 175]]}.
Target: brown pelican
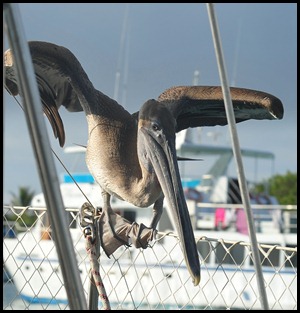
{"points": [[133, 156]]}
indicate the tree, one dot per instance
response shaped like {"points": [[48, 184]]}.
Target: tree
{"points": [[283, 187], [23, 198]]}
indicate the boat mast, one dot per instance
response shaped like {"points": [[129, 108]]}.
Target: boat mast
{"points": [[121, 53]]}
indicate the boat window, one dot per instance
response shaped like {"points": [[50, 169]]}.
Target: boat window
{"points": [[263, 215], [205, 218], [271, 259], [290, 222], [129, 215], [234, 255], [234, 194], [290, 257], [205, 248]]}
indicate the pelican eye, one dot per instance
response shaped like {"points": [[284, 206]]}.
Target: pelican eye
{"points": [[155, 126]]}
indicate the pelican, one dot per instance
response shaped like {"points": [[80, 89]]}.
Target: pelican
{"points": [[133, 156]]}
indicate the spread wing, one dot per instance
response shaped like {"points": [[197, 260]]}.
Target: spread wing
{"points": [[53, 84], [196, 106], [62, 82]]}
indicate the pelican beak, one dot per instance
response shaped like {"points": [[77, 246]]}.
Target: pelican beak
{"points": [[162, 153]]}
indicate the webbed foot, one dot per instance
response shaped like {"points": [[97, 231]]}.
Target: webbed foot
{"points": [[115, 231], [112, 231], [141, 235]]}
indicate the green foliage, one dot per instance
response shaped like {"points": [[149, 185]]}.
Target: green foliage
{"points": [[283, 187], [23, 198]]}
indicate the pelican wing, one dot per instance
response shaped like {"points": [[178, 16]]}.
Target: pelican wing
{"points": [[196, 106], [53, 83], [63, 82]]}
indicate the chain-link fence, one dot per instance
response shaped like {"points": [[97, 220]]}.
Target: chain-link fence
{"points": [[155, 278]]}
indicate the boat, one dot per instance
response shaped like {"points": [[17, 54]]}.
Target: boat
{"points": [[157, 278]]}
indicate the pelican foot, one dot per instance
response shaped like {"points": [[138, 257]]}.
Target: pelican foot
{"points": [[140, 235], [112, 231], [116, 231]]}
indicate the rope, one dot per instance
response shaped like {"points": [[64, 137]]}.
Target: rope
{"points": [[91, 250]]}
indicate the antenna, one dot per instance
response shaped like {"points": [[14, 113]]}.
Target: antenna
{"points": [[120, 59], [236, 53], [196, 78], [197, 131], [125, 77]]}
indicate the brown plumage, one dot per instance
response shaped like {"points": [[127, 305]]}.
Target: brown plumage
{"points": [[133, 156]]}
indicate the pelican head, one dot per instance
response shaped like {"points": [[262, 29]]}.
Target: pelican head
{"points": [[157, 154]]}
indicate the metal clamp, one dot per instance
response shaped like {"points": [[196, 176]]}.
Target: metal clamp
{"points": [[87, 216]]}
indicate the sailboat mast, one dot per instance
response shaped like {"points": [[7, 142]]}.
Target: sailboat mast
{"points": [[121, 53]]}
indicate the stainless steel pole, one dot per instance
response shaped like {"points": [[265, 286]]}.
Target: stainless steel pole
{"points": [[237, 154], [44, 159]]}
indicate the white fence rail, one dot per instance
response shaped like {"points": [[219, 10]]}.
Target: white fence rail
{"points": [[155, 278]]}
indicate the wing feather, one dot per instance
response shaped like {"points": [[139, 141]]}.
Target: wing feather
{"points": [[196, 106]]}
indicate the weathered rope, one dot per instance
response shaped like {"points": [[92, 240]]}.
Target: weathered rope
{"points": [[91, 250], [90, 230]]}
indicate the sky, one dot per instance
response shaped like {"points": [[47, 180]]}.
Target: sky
{"points": [[155, 46]]}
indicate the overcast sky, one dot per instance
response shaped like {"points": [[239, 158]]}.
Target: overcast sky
{"points": [[163, 46]]}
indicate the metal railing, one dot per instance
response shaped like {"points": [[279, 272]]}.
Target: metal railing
{"points": [[154, 278]]}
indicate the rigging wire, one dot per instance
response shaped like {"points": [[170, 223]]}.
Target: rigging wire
{"points": [[55, 154]]}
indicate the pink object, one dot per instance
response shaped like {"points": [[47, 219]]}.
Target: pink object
{"points": [[241, 222], [220, 218]]}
